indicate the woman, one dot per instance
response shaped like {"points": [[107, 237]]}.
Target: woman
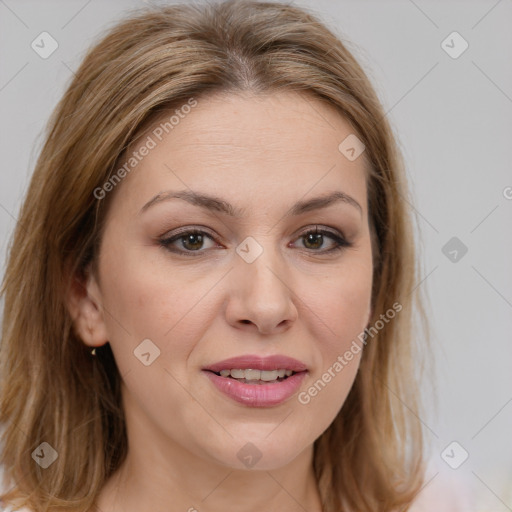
{"points": [[209, 295]]}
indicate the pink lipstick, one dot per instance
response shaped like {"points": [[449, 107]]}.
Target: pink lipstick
{"points": [[257, 381]]}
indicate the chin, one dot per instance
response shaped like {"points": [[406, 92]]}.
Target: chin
{"points": [[262, 452]]}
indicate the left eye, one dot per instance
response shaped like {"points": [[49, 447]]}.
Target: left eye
{"points": [[317, 236], [192, 241]]}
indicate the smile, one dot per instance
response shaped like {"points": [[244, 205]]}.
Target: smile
{"points": [[256, 381]]}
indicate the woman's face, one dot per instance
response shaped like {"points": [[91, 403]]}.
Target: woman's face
{"points": [[255, 282]]}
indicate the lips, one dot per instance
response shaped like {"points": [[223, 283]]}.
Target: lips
{"points": [[249, 389], [254, 362]]}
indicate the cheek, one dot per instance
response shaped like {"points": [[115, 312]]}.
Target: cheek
{"points": [[341, 307], [143, 300], [342, 302], [347, 307], [148, 298]]}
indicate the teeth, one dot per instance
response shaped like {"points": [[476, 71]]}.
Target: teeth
{"points": [[268, 375], [250, 374], [238, 374]]}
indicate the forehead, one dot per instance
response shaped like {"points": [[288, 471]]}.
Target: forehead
{"points": [[260, 146], [238, 124]]}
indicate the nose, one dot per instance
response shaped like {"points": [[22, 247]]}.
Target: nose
{"points": [[261, 296]]}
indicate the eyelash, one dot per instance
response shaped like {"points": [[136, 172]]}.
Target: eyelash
{"points": [[340, 241]]}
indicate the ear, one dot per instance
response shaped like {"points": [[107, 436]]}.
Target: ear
{"points": [[84, 302]]}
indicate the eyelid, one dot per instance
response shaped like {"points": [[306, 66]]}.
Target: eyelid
{"points": [[320, 228], [185, 230], [200, 229]]}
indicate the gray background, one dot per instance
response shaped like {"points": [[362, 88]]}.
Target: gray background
{"points": [[453, 118]]}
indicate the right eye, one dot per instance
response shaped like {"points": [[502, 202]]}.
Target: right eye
{"points": [[191, 241]]}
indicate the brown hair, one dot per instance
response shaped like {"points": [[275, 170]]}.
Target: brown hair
{"points": [[52, 390]]}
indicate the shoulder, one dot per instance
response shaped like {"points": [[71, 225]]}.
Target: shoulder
{"points": [[443, 492]]}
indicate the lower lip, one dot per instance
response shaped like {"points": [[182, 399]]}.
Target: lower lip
{"points": [[258, 395]]}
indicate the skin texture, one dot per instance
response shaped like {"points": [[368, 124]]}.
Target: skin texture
{"points": [[262, 154]]}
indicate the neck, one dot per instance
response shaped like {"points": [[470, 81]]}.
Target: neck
{"points": [[161, 475]]}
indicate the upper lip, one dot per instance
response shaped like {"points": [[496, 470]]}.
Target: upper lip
{"points": [[254, 362]]}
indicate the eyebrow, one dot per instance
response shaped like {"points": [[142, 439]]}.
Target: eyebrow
{"points": [[212, 203]]}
